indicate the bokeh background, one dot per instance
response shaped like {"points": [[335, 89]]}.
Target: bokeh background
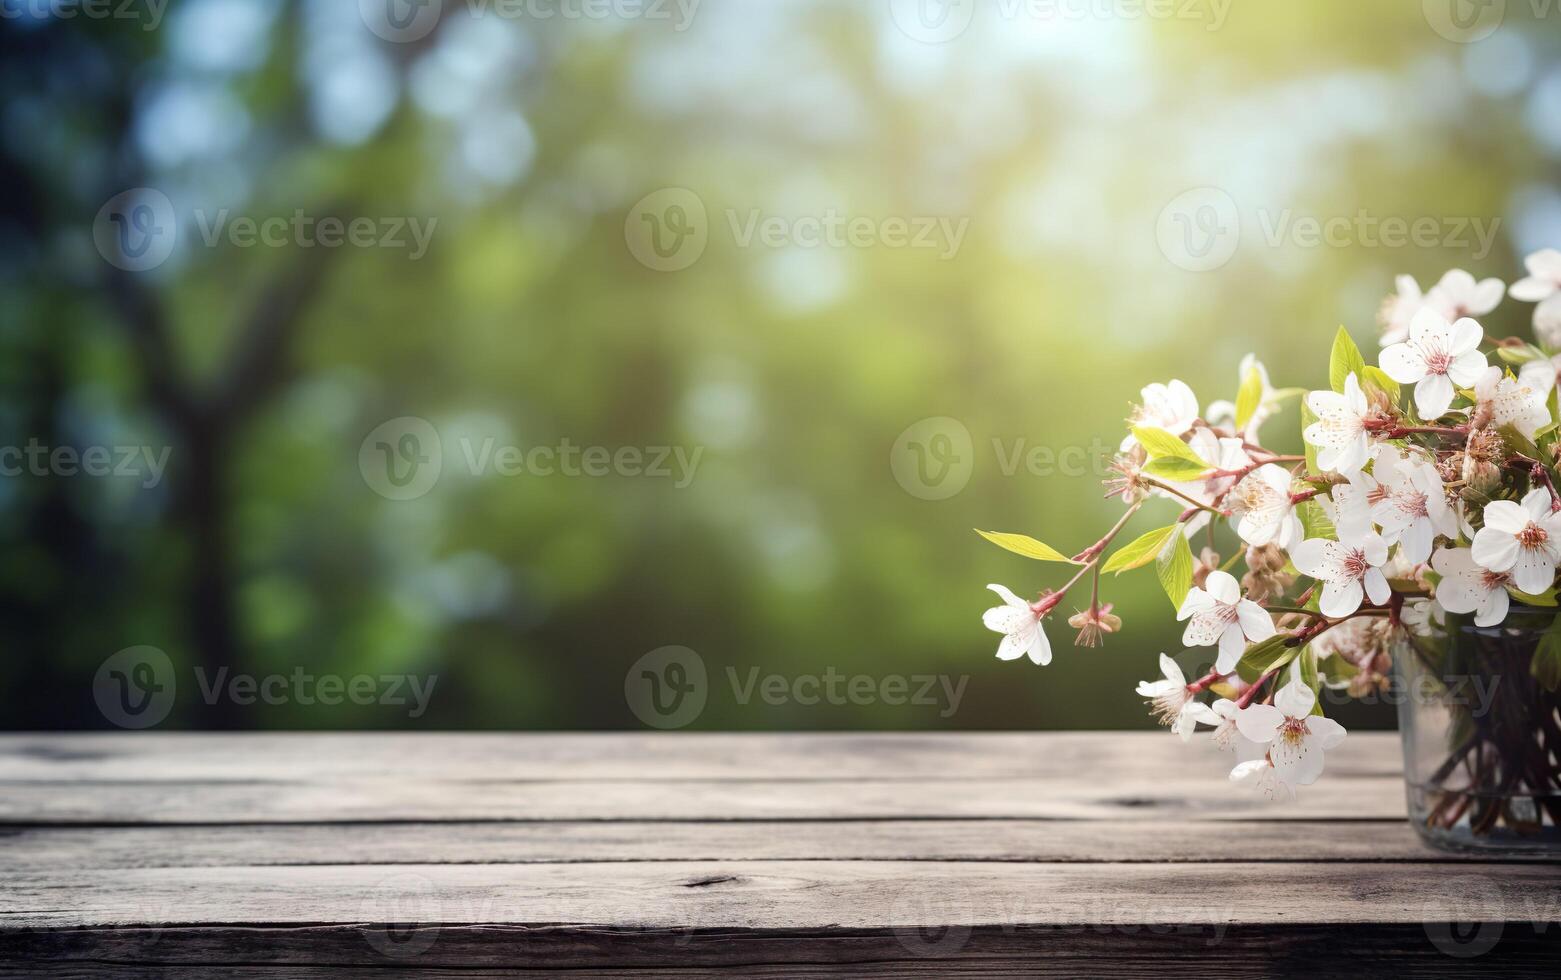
{"points": [[1055, 135]]}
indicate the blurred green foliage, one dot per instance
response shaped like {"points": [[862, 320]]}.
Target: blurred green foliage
{"points": [[794, 370]]}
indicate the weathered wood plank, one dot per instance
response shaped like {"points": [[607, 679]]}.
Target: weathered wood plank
{"points": [[1082, 796], [1247, 952], [781, 895], [1180, 840], [1228, 919], [157, 757], [183, 778], [881, 855]]}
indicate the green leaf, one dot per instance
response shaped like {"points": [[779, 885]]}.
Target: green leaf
{"points": [[1375, 377], [1023, 544], [1225, 690], [1307, 418], [1248, 398], [1335, 668], [1519, 355], [1175, 570], [1314, 520], [1546, 666], [1546, 598], [1264, 656], [1518, 442], [1160, 444], [1175, 469], [1309, 678], [1142, 551], [1345, 360]]}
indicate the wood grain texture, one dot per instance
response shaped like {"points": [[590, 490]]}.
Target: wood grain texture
{"points": [[704, 855], [772, 895], [364, 800], [1151, 840], [157, 757]]}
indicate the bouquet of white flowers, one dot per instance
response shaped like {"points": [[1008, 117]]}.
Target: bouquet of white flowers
{"points": [[1405, 508]]}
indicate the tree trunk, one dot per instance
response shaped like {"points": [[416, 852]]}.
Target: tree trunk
{"points": [[213, 619]]}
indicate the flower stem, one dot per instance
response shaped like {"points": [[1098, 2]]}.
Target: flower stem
{"points": [[1088, 555], [1197, 505], [1296, 609], [1324, 624], [1399, 432], [1257, 685]]}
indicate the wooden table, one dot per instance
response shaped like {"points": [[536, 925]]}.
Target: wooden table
{"points": [[193, 855]]}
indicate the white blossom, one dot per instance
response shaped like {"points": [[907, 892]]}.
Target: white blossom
{"points": [[1466, 587], [1172, 407], [1437, 356], [1260, 776], [1399, 309], [1524, 539], [1265, 508], [1020, 625], [1514, 401], [1221, 453], [1217, 614], [1173, 704], [1542, 286], [1540, 374], [1411, 505], [1225, 733], [1349, 569], [1424, 617], [1458, 295], [1296, 738], [1340, 430]]}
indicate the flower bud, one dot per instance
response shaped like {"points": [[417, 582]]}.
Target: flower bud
{"points": [[1092, 623], [1266, 577], [1482, 458]]}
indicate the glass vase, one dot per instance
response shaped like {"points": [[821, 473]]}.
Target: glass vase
{"points": [[1482, 737]]}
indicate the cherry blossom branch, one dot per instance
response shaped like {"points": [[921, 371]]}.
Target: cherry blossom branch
{"points": [[1089, 558], [1388, 430], [1307, 634], [1269, 456], [1202, 683], [1296, 609], [1257, 685], [1257, 464], [1197, 505], [1090, 554]]}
